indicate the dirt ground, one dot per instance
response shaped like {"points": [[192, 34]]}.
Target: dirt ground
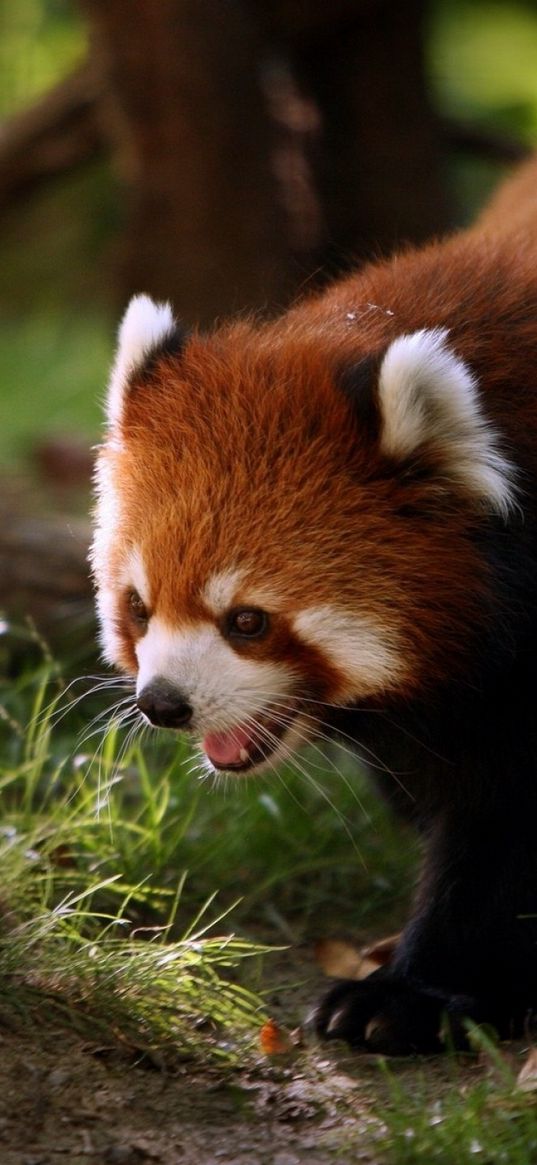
{"points": [[62, 1101]]}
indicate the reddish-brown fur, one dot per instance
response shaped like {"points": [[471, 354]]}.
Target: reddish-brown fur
{"points": [[254, 463], [260, 406], [244, 449]]}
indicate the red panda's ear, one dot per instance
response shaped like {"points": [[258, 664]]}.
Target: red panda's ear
{"points": [[147, 331], [428, 401]]}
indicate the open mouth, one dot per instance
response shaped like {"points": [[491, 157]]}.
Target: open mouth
{"points": [[244, 746]]}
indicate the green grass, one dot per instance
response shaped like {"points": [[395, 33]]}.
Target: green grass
{"points": [[489, 1120], [102, 944], [119, 868], [145, 909]]}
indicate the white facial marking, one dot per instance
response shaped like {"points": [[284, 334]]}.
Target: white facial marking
{"points": [[106, 610], [107, 524], [134, 575], [221, 589], [144, 326], [108, 511], [222, 687], [428, 394], [365, 656]]}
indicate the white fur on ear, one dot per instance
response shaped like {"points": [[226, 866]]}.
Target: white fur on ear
{"points": [[144, 326], [428, 395]]}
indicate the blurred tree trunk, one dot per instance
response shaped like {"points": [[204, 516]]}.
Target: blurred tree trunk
{"points": [[194, 140], [262, 146], [378, 165], [217, 183]]}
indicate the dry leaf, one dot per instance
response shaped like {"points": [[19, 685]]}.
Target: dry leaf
{"points": [[527, 1077], [382, 952], [342, 960], [274, 1040]]}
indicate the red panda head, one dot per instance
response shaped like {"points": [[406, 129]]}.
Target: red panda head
{"points": [[284, 525]]}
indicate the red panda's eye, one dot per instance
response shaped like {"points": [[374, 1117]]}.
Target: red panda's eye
{"points": [[247, 622], [137, 609]]}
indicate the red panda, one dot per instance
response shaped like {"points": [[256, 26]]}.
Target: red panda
{"points": [[327, 524]]}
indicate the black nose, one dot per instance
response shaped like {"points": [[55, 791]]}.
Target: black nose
{"points": [[164, 705]]}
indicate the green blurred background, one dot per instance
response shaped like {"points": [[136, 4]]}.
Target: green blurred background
{"points": [[60, 292]]}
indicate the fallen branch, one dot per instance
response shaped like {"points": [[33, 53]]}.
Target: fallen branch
{"points": [[44, 572], [482, 142], [61, 131]]}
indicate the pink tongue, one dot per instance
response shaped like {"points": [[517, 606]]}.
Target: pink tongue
{"points": [[224, 748]]}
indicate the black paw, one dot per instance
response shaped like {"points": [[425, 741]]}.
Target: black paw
{"points": [[384, 1014]]}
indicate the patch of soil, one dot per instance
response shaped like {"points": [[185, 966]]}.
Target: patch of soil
{"points": [[63, 1101]]}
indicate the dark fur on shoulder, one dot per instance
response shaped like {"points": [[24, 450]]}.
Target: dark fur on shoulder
{"points": [[328, 524]]}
